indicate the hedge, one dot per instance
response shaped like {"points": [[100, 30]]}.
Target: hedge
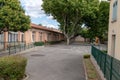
{"points": [[47, 42], [39, 43], [86, 56], [54, 42], [12, 67]]}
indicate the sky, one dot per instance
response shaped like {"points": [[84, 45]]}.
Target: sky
{"points": [[34, 10]]}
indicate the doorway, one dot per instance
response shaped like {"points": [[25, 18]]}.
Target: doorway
{"points": [[113, 45]]}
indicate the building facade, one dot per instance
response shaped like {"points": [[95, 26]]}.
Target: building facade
{"points": [[35, 34], [41, 34], [114, 29]]}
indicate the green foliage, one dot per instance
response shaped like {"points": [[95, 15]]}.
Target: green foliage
{"points": [[103, 19], [86, 56], [12, 16], [105, 51], [39, 43], [68, 13], [40, 24], [54, 42], [12, 67], [84, 33], [97, 22], [71, 14]]}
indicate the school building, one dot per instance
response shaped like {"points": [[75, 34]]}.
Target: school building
{"points": [[35, 34], [114, 29]]}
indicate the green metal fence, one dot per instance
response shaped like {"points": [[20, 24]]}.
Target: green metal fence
{"points": [[108, 65]]}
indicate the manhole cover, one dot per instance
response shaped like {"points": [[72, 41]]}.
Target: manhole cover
{"points": [[37, 55]]}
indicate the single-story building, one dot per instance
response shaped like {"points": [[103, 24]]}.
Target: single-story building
{"points": [[35, 34]]}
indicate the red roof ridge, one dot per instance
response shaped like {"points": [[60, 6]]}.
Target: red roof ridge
{"points": [[45, 28]]}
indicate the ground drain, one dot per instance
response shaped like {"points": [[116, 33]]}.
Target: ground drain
{"points": [[36, 55]]}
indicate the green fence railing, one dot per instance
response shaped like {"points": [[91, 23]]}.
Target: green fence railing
{"points": [[14, 47], [108, 65]]}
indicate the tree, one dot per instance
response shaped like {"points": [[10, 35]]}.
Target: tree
{"points": [[103, 20], [68, 13], [84, 33], [98, 22], [12, 16], [40, 24]]}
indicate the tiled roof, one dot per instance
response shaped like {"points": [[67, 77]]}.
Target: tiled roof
{"points": [[44, 28]]}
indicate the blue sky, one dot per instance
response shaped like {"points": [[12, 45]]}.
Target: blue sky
{"points": [[33, 9]]}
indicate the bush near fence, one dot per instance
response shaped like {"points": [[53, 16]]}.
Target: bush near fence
{"points": [[39, 43], [47, 42], [54, 42], [109, 65], [12, 67]]}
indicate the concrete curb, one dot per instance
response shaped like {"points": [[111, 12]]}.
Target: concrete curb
{"points": [[97, 68], [86, 76]]}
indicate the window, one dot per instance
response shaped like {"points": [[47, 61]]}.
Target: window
{"points": [[40, 36], [48, 36], [33, 36], [22, 37], [13, 37], [2, 37], [114, 14], [1, 40], [113, 45]]}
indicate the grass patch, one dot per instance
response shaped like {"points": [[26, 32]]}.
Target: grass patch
{"points": [[91, 71]]}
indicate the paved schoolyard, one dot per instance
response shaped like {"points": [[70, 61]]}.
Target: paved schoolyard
{"points": [[57, 62]]}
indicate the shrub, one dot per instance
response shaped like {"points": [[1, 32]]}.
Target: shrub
{"points": [[12, 67], [105, 51], [87, 56], [39, 43], [54, 42]]}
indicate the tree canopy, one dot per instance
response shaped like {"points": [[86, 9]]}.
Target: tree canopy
{"points": [[12, 16], [69, 13], [98, 22]]}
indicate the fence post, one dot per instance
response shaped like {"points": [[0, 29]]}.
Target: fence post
{"points": [[92, 50], [20, 47], [105, 64], [15, 49], [9, 50], [111, 68], [24, 46], [101, 56]]}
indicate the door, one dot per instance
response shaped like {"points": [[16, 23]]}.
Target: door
{"points": [[113, 45]]}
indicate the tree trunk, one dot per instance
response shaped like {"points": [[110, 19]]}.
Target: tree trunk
{"points": [[84, 39], [68, 41]]}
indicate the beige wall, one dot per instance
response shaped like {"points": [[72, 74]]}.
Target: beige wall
{"points": [[114, 29], [79, 39], [46, 35], [28, 36]]}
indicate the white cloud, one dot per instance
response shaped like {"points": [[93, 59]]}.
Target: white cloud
{"points": [[50, 17], [51, 26], [47, 24], [33, 8]]}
